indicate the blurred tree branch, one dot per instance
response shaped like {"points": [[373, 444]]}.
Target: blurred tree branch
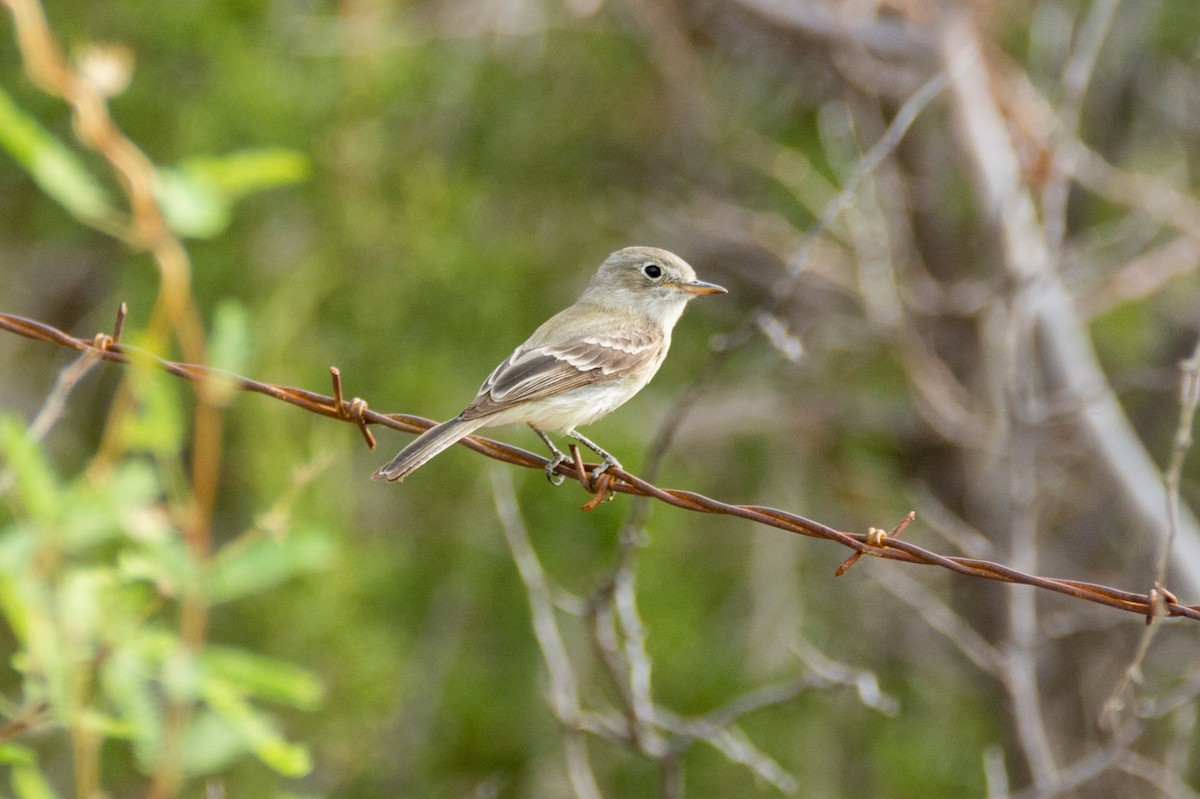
{"points": [[1045, 299]]}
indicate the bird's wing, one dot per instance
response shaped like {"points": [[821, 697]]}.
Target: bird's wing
{"points": [[553, 368]]}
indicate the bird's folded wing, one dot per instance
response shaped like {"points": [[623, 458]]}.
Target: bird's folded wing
{"points": [[555, 368]]}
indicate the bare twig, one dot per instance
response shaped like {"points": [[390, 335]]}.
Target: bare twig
{"points": [[945, 620], [1077, 74], [825, 672], [1189, 397], [871, 159], [1153, 197], [1163, 780], [1084, 770], [763, 318], [1143, 276], [52, 407], [1067, 348], [624, 653], [994, 772], [564, 690], [731, 741]]}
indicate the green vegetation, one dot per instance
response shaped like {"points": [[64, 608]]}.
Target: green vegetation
{"points": [[406, 193]]}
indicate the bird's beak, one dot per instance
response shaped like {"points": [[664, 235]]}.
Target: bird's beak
{"points": [[701, 287]]}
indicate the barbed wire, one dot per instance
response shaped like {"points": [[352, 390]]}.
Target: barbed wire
{"points": [[875, 543]]}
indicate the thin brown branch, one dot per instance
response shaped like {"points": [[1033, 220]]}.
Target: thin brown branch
{"points": [[1142, 277], [1189, 398], [945, 620], [889, 549], [52, 408]]}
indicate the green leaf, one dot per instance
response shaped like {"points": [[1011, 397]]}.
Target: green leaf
{"points": [[192, 209], [257, 730], [55, 168], [237, 174], [44, 659], [263, 678], [17, 545], [36, 483], [182, 679], [263, 562], [229, 346], [158, 424], [197, 197], [16, 755], [211, 744], [126, 679], [81, 607], [28, 782], [166, 567], [127, 505]]}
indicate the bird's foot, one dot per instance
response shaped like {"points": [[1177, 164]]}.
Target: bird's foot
{"points": [[609, 462], [558, 458], [552, 469]]}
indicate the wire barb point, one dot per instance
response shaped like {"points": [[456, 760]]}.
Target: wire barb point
{"points": [[353, 411], [877, 538]]}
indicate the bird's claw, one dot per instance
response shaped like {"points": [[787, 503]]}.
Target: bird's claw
{"points": [[609, 462], [552, 467]]}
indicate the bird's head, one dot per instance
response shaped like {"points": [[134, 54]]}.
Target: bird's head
{"points": [[648, 281]]}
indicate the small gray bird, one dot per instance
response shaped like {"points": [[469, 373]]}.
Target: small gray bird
{"points": [[582, 364]]}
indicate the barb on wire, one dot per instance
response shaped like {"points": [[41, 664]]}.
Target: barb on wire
{"points": [[886, 547]]}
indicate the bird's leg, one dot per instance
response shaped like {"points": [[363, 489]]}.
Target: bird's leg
{"points": [[609, 460], [558, 458]]}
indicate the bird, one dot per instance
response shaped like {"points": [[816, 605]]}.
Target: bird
{"points": [[581, 364]]}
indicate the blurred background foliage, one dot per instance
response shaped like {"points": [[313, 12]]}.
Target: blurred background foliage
{"points": [[405, 191]]}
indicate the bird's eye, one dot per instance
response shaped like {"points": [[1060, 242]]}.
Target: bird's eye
{"points": [[652, 271]]}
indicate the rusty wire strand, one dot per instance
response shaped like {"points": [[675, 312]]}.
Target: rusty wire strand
{"points": [[357, 412]]}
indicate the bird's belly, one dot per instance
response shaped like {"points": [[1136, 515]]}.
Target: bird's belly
{"points": [[574, 408]]}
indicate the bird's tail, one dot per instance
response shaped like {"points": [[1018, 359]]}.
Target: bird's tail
{"points": [[425, 446]]}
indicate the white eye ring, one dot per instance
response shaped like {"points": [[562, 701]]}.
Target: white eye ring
{"points": [[652, 271]]}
